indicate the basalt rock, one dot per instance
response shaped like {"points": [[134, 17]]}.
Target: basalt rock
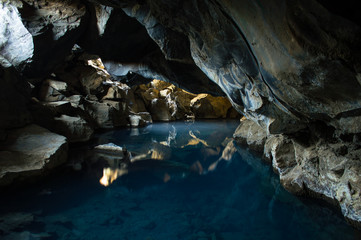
{"points": [[107, 114], [138, 59], [30, 151], [16, 43], [207, 106], [288, 65], [166, 102], [268, 72], [54, 27], [250, 134], [75, 129], [330, 171]]}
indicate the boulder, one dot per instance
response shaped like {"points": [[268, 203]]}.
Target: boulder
{"points": [[92, 79], [159, 110], [85, 73], [250, 134], [159, 85], [122, 91], [75, 100], [164, 93], [149, 94], [75, 129], [59, 107], [183, 102], [107, 114], [140, 119], [52, 90], [207, 106], [30, 151]]}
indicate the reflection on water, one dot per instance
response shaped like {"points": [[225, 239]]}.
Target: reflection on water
{"points": [[181, 181], [110, 175], [121, 161], [195, 141]]}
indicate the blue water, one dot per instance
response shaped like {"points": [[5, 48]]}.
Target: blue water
{"points": [[186, 198]]}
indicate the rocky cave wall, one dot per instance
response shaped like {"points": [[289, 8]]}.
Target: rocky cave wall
{"points": [[291, 67]]}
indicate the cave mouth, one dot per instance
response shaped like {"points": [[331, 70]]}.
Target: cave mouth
{"points": [[198, 185]]}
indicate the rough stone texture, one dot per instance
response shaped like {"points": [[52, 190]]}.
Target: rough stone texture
{"points": [[30, 151], [52, 90], [55, 26], [75, 129], [84, 73], [138, 59], [140, 119], [207, 106], [107, 114], [159, 109], [124, 93], [166, 102], [324, 170], [16, 43], [250, 134], [263, 57], [289, 65]]}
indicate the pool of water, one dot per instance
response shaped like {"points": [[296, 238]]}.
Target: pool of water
{"points": [[192, 183]]}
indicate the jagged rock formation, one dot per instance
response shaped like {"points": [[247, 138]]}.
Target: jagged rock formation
{"points": [[311, 166], [166, 102], [293, 67]]}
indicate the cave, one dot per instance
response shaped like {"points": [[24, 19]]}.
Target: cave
{"points": [[195, 119]]}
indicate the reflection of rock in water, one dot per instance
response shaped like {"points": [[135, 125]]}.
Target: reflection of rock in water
{"points": [[227, 155], [157, 160], [162, 169]]}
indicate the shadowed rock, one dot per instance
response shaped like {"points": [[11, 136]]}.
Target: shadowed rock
{"points": [[30, 151]]}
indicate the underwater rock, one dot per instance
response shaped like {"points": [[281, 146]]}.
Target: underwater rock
{"points": [[11, 222]]}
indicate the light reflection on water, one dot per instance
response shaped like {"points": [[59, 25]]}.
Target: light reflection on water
{"points": [[161, 151], [183, 181]]}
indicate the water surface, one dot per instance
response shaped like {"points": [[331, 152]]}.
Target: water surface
{"points": [[198, 187]]}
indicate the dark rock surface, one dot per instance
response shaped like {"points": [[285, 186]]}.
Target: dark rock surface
{"points": [[30, 151], [293, 67], [54, 27]]}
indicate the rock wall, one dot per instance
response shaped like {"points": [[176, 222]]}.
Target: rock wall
{"points": [[291, 66], [322, 167]]}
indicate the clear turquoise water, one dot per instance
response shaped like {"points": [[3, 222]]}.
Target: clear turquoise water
{"points": [[240, 199]]}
